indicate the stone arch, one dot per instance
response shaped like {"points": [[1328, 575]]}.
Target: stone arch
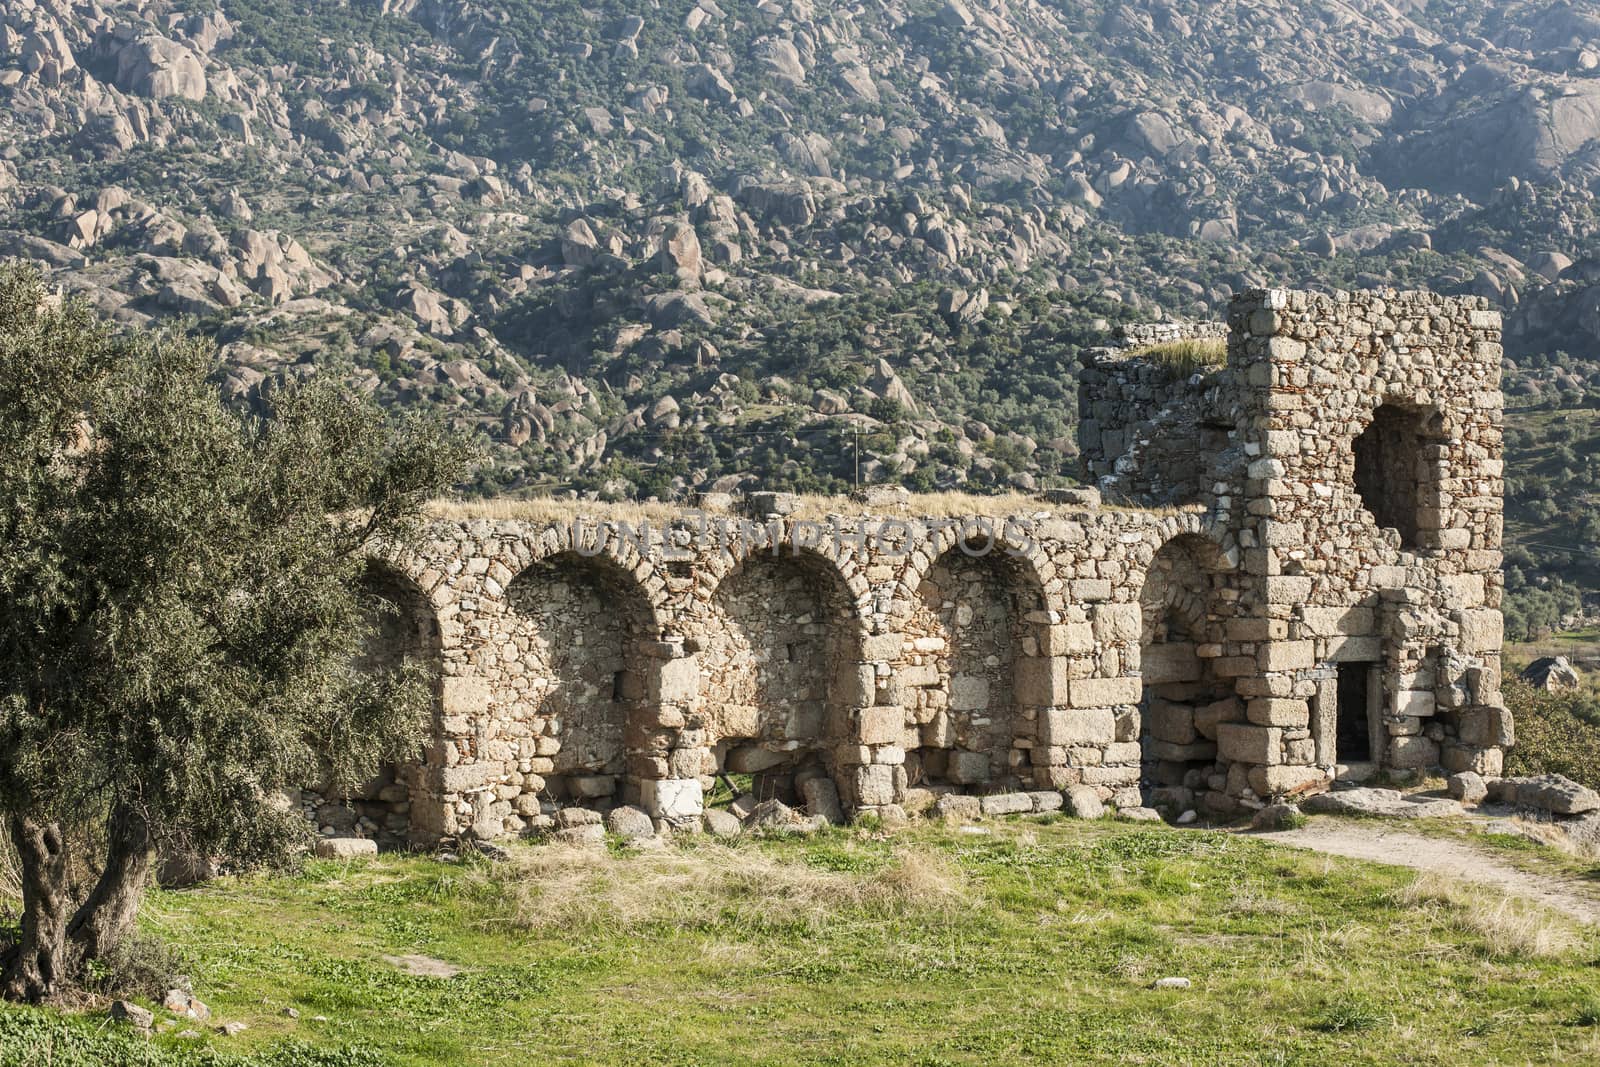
{"points": [[1396, 470], [1004, 538], [1182, 700], [576, 626], [622, 553], [395, 806], [979, 610], [779, 647]]}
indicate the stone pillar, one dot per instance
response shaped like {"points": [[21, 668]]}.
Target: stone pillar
{"points": [[668, 750], [869, 749]]}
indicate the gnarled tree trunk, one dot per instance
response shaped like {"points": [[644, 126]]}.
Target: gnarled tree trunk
{"points": [[107, 917], [41, 961]]}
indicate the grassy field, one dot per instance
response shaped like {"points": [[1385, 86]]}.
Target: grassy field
{"points": [[1031, 943]]}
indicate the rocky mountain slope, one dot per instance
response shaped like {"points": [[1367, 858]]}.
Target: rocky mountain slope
{"points": [[658, 247]]}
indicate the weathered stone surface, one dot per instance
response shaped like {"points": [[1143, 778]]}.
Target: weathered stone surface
{"points": [[958, 807], [1388, 803], [344, 848], [1467, 787], [822, 800], [126, 1011], [1275, 817], [1084, 803], [722, 823], [1556, 794], [629, 822], [1006, 804]]}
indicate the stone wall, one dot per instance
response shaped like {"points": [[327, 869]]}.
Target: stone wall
{"points": [[1209, 654]]}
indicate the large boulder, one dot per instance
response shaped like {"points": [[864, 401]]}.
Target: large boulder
{"points": [[1552, 674], [156, 68]]}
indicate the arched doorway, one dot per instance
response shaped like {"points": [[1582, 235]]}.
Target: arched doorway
{"points": [[577, 623]]}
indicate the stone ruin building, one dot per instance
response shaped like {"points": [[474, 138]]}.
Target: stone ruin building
{"points": [[1294, 576]]}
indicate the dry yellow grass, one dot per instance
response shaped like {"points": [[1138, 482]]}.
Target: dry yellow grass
{"points": [[1200, 355], [561, 888], [1510, 926], [812, 508]]}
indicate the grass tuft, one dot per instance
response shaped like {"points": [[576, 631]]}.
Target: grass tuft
{"points": [[1186, 358], [1509, 927]]}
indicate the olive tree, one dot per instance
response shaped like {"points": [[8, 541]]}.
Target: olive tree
{"points": [[181, 612]]}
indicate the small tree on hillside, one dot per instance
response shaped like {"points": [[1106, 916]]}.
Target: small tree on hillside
{"points": [[180, 612]]}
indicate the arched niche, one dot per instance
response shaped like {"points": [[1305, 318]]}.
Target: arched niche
{"points": [[780, 639], [1182, 701], [576, 625], [403, 628], [974, 616]]}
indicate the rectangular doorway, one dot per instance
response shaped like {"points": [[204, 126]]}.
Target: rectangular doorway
{"points": [[1353, 731]]}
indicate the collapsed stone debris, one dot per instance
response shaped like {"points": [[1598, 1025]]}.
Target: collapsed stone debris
{"points": [[1293, 577]]}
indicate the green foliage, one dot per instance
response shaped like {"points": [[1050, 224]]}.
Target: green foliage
{"points": [[180, 604], [1557, 733]]}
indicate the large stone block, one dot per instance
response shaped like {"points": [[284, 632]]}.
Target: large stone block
{"points": [[1419, 703], [1413, 753], [1247, 743], [1278, 711], [882, 725], [1167, 721], [464, 696], [1279, 781], [1287, 656], [675, 681], [1071, 639], [465, 776], [969, 768], [1065, 727], [1041, 681], [1174, 661], [673, 799], [1482, 630], [1103, 692]]}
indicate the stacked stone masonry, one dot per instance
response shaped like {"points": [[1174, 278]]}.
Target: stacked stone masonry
{"points": [[1237, 629]]}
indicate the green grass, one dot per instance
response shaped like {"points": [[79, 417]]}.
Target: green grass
{"points": [[1036, 943]]}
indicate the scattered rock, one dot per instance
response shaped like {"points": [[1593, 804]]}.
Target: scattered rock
{"points": [[126, 1011], [233, 1029], [1553, 674], [1139, 814], [1275, 817], [720, 823], [1171, 983], [1084, 802], [1467, 787], [822, 800], [345, 848], [629, 822]]}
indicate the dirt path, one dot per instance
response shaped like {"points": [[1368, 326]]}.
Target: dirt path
{"points": [[1457, 859]]}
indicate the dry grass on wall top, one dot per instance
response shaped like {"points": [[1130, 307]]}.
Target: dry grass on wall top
{"points": [[1199, 355], [810, 508]]}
